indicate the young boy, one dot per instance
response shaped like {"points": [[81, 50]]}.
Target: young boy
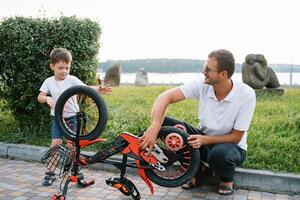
{"points": [[55, 85]]}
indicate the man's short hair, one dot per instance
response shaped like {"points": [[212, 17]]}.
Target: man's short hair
{"points": [[60, 54], [225, 61]]}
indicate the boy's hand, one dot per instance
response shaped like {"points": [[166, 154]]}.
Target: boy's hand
{"points": [[105, 89], [50, 102]]}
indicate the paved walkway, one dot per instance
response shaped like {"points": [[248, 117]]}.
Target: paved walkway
{"points": [[21, 180]]}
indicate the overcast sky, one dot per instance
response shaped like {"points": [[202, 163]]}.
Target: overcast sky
{"points": [[133, 29]]}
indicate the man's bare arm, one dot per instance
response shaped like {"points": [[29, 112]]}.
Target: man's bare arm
{"points": [[234, 137], [157, 116]]}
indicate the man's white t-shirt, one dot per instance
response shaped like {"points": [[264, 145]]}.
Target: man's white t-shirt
{"points": [[219, 118], [56, 87]]}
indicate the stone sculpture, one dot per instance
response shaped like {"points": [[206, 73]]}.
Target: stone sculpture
{"points": [[141, 78], [113, 76], [257, 74]]}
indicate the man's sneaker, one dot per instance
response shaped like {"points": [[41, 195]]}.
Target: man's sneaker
{"points": [[49, 178]]}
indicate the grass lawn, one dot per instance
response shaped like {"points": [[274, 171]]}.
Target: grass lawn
{"points": [[273, 140]]}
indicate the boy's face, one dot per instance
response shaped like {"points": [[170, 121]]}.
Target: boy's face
{"points": [[61, 70]]}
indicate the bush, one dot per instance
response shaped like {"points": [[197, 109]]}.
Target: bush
{"points": [[24, 61]]}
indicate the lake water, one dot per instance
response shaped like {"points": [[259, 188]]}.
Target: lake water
{"points": [[181, 78]]}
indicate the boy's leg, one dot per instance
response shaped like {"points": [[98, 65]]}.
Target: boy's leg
{"points": [[56, 140], [72, 124], [50, 175]]}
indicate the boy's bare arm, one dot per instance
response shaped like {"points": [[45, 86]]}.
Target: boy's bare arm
{"points": [[43, 98]]}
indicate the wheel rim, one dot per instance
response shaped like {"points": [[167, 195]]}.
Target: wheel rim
{"points": [[178, 154], [174, 142]]}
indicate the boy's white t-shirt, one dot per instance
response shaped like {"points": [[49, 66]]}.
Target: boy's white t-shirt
{"points": [[56, 87], [219, 118]]}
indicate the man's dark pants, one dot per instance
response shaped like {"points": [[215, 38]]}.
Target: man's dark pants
{"points": [[222, 158]]}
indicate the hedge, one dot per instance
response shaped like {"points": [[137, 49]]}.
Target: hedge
{"points": [[25, 45]]}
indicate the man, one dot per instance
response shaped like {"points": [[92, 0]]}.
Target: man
{"points": [[225, 112]]}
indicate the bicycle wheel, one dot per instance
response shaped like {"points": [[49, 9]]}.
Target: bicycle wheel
{"points": [[81, 104], [183, 160]]}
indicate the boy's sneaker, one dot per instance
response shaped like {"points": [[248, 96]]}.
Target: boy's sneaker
{"points": [[80, 176], [49, 178]]}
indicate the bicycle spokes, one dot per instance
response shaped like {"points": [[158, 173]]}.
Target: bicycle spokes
{"points": [[84, 107], [179, 157]]}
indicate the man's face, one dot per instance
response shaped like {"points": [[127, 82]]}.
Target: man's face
{"points": [[61, 70], [210, 71]]}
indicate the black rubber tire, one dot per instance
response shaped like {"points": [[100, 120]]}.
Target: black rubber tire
{"points": [[99, 102], [191, 170]]}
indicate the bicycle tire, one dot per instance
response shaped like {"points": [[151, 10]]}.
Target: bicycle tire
{"points": [[191, 170], [99, 102]]}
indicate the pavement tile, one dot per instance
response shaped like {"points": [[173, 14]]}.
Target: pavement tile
{"points": [[23, 181], [240, 197], [254, 198], [296, 197], [281, 196], [231, 197], [172, 194], [21, 198], [212, 196], [6, 197], [254, 193], [16, 194], [199, 195], [267, 195]]}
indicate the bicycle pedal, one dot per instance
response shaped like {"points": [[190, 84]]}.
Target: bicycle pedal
{"points": [[83, 183], [125, 186], [58, 197], [119, 184]]}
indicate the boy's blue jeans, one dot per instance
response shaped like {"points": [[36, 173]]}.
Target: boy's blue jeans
{"points": [[56, 131]]}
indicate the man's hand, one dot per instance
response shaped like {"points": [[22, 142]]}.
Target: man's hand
{"points": [[50, 101], [196, 141], [149, 137], [104, 89]]}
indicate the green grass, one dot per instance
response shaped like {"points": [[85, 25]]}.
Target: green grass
{"points": [[273, 138], [11, 133]]}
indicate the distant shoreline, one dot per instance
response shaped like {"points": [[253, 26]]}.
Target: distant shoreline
{"points": [[178, 84], [166, 65], [182, 78]]}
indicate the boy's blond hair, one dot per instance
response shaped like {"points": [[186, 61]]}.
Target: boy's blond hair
{"points": [[60, 54]]}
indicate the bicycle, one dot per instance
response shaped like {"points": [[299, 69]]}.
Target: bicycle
{"points": [[172, 161]]}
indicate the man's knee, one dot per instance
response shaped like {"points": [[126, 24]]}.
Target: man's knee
{"points": [[222, 157], [169, 121]]}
